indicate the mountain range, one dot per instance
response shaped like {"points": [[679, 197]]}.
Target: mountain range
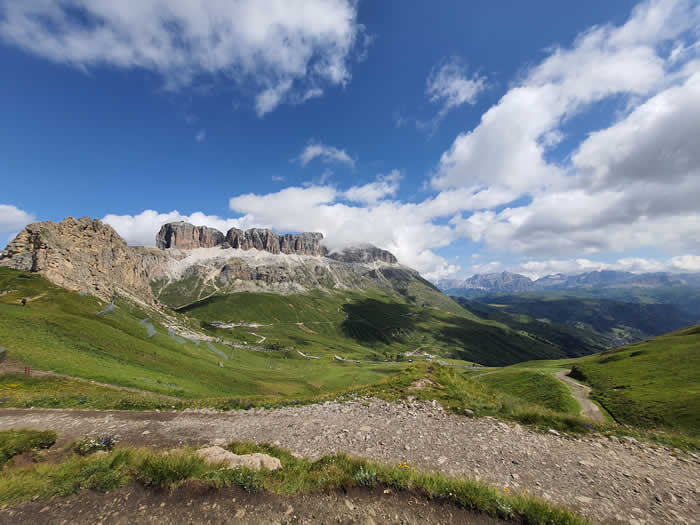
{"points": [[507, 282]]}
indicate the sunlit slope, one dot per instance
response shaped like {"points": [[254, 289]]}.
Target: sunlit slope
{"points": [[368, 323], [61, 331], [650, 383]]}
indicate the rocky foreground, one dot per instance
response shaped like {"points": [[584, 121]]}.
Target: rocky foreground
{"points": [[609, 480]]}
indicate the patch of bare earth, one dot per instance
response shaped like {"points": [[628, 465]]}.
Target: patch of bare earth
{"points": [[200, 503], [608, 480]]}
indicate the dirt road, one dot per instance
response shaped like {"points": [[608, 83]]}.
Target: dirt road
{"points": [[609, 480], [581, 392]]}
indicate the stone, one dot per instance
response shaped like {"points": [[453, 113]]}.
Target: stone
{"points": [[256, 461], [554, 432]]}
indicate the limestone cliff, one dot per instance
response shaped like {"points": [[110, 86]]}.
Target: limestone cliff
{"points": [[185, 236], [82, 255], [193, 262]]}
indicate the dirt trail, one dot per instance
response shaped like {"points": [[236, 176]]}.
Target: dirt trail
{"points": [[609, 480], [195, 503], [581, 392]]}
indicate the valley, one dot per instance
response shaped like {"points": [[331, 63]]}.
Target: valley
{"points": [[191, 343]]}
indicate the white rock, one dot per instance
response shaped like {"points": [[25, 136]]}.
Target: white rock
{"points": [[255, 461]]}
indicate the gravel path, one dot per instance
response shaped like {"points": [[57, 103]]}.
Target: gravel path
{"points": [[581, 392], [608, 480]]}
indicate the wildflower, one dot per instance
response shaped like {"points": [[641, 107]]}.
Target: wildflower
{"points": [[506, 489]]}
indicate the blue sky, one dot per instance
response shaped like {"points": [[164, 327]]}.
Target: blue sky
{"points": [[463, 136]]}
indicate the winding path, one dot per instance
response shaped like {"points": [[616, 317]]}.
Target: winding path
{"points": [[581, 392]]}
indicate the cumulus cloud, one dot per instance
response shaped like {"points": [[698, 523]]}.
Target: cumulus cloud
{"points": [[326, 153], [384, 186], [286, 49], [450, 86], [632, 184], [13, 219]]}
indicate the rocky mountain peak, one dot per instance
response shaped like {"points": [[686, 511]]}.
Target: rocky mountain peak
{"points": [[82, 255]]}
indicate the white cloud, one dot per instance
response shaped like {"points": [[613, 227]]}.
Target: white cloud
{"points": [[13, 219], [508, 147], [286, 49], [325, 153], [201, 135], [277, 178], [141, 229], [384, 186], [633, 184], [450, 86]]}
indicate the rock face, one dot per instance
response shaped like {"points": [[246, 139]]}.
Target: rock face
{"points": [[88, 256], [185, 236], [363, 254], [82, 255], [269, 241]]}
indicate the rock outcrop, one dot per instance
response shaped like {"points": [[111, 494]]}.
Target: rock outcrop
{"points": [[185, 236], [82, 255]]}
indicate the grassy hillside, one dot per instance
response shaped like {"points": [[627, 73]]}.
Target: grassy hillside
{"points": [[651, 383], [61, 331], [534, 386], [366, 324]]}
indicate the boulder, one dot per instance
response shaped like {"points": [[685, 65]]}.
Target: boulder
{"points": [[256, 461]]}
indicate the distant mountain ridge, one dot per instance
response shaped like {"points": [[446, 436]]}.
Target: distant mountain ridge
{"points": [[507, 282]]}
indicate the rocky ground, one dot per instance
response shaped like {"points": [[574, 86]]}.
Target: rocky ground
{"points": [[607, 479], [195, 503]]}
